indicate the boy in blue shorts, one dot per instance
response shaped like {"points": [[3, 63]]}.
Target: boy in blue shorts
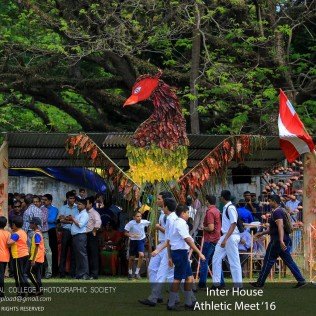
{"points": [[179, 243], [135, 230]]}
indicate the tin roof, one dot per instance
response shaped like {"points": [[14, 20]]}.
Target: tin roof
{"points": [[48, 149]]}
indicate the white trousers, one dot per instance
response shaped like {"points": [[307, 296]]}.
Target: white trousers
{"points": [[231, 251], [165, 273], [158, 268], [154, 265], [159, 272]]}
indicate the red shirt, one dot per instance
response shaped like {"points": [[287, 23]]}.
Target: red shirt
{"points": [[213, 216]]}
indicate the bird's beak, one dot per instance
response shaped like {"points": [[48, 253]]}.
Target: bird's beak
{"points": [[133, 99]]}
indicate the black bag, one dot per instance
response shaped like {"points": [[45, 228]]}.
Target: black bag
{"points": [[240, 223]]}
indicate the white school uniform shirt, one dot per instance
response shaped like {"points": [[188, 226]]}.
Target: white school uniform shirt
{"points": [[245, 235], [162, 222], [178, 232], [233, 216], [170, 220], [137, 228]]}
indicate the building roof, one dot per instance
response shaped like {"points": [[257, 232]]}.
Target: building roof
{"points": [[28, 150]]}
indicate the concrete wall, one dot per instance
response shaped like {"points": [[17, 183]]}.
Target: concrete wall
{"points": [[237, 190]]}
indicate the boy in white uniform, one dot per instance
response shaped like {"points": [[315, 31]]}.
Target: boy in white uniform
{"points": [[135, 230], [155, 261], [159, 270], [179, 243], [228, 244]]}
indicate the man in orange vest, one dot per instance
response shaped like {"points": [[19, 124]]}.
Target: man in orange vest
{"points": [[4, 252], [37, 256], [20, 255]]}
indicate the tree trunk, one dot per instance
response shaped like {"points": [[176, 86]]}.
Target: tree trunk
{"points": [[195, 63]]}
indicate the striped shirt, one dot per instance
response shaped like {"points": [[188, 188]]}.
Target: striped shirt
{"points": [[31, 211]]}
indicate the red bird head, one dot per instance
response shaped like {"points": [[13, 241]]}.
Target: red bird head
{"points": [[143, 88]]}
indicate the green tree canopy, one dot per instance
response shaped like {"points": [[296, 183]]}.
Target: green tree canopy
{"points": [[68, 65]]}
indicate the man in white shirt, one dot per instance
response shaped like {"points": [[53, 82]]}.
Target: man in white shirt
{"points": [[179, 242], [228, 243], [93, 226], [135, 230], [79, 240], [158, 269], [291, 206]]}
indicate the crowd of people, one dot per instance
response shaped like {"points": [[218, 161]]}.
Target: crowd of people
{"points": [[87, 236], [43, 240]]}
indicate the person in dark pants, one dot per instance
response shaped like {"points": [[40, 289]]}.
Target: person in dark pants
{"points": [[79, 235], [37, 256], [279, 245], [93, 226], [65, 215], [47, 200], [212, 233], [20, 255], [4, 252]]}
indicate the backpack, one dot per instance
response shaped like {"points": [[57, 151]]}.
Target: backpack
{"points": [[287, 223], [240, 223]]}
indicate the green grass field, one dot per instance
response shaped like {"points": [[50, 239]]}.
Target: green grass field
{"points": [[117, 296]]}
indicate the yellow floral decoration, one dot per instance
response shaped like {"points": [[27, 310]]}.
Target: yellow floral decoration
{"points": [[150, 164]]}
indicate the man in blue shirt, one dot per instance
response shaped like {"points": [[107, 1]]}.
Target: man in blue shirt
{"points": [[47, 200], [243, 212], [79, 239], [251, 205], [65, 215]]}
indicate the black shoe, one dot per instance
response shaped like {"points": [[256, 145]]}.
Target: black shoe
{"points": [[174, 308], [202, 287], [256, 284], [176, 303], [299, 285], [189, 307], [93, 278], [130, 276], [160, 300], [39, 293], [147, 302]]}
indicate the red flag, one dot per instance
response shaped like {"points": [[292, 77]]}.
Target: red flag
{"points": [[294, 140]]}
